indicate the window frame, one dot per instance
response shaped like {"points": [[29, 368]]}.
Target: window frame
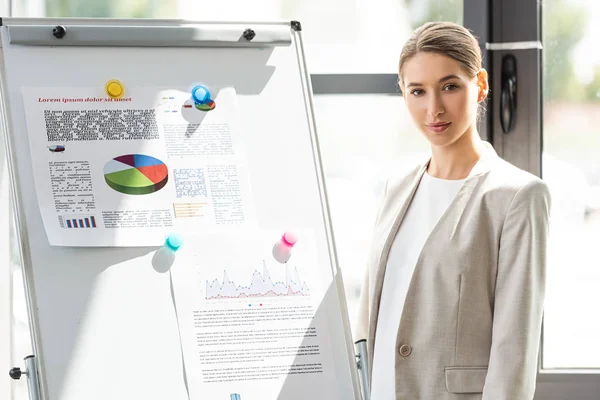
{"points": [[520, 21]]}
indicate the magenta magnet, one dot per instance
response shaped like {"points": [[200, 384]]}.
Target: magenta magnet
{"points": [[282, 250]]}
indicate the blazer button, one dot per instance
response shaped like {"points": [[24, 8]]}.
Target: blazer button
{"points": [[405, 350]]}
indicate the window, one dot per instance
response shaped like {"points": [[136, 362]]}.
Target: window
{"points": [[340, 37], [571, 88], [363, 139], [95, 8]]}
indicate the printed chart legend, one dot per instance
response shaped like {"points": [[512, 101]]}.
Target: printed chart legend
{"points": [[188, 210]]}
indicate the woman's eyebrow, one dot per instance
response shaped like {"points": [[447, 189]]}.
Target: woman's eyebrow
{"points": [[446, 78]]}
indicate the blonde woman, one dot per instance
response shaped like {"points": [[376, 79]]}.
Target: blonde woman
{"points": [[452, 301]]}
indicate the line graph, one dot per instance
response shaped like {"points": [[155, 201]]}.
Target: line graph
{"points": [[260, 286]]}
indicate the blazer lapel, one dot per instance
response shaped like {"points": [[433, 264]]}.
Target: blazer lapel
{"points": [[404, 202], [450, 219], [453, 214]]}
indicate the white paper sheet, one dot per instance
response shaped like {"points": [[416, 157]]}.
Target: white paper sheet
{"points": [[249, 325], [130, 171]]}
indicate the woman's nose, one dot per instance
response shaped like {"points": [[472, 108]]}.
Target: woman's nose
{"points": [[435, 107]]}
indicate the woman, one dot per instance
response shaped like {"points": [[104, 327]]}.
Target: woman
{"points": [[452, 301]]}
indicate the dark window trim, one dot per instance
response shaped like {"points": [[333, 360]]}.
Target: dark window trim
{"points": [[355, 84]]}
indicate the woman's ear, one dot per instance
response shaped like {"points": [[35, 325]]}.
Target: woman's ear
{"points": [[482, 84]]}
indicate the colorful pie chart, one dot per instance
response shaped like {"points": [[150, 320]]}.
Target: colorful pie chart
{"points": [[210, 105], [136, 174]]}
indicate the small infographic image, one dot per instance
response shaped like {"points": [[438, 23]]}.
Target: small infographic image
{"points": [[136, 174], [58, 148], [77, 221]]}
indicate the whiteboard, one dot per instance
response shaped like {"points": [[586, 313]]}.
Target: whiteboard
{"points": [[103, 320]]}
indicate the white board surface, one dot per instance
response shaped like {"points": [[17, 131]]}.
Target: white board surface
{"points": [[104, 323]]}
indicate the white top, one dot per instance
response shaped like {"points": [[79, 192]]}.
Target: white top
{"points": [[432, 198]]}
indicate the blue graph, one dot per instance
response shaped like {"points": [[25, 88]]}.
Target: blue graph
{"points": [[260, 286]]}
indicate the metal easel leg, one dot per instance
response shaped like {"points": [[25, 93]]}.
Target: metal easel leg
{"points": [[32, 375], [362, 362]]}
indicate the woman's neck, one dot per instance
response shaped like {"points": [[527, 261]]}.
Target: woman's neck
{"points": [[455, 161]]}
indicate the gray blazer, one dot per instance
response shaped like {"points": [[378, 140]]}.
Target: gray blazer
{"points": [[470, 327]]}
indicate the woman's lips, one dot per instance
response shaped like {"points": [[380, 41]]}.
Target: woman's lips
{"points": [[438, 127]]}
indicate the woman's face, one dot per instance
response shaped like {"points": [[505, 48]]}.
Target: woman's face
{"points": [[441, 98]]}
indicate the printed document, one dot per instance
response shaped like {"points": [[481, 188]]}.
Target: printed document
{"points": [[129, 171]]}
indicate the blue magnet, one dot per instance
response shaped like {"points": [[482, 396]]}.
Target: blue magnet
{"points": [[174, 242], [200, 94]]}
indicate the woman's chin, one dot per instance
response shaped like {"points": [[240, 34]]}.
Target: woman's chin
{"points": [[442, 139]]}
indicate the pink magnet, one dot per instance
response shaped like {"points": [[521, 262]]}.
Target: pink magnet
{"points": [[282, 250], [288, 239]]}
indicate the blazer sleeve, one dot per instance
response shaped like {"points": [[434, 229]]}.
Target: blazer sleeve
{"points": [[361, 324], [519, 296]]}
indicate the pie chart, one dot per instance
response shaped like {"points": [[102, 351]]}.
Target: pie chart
{"points": [[136, 174], [210, 105]]}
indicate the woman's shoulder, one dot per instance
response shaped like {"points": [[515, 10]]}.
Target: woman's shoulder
{"points": [[501, 183], [504, 175], [507, 182]]}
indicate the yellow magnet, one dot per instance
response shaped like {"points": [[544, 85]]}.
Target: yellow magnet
{"points": [[114, 89]]}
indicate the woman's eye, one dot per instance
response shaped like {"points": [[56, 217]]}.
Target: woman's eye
{"points": [[416, 92], [450, 87]]}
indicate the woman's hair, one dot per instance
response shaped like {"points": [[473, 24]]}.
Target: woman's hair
{"points": [[444, 38]]}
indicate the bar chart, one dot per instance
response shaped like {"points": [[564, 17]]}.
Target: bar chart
{"points": [[77, 221]]}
